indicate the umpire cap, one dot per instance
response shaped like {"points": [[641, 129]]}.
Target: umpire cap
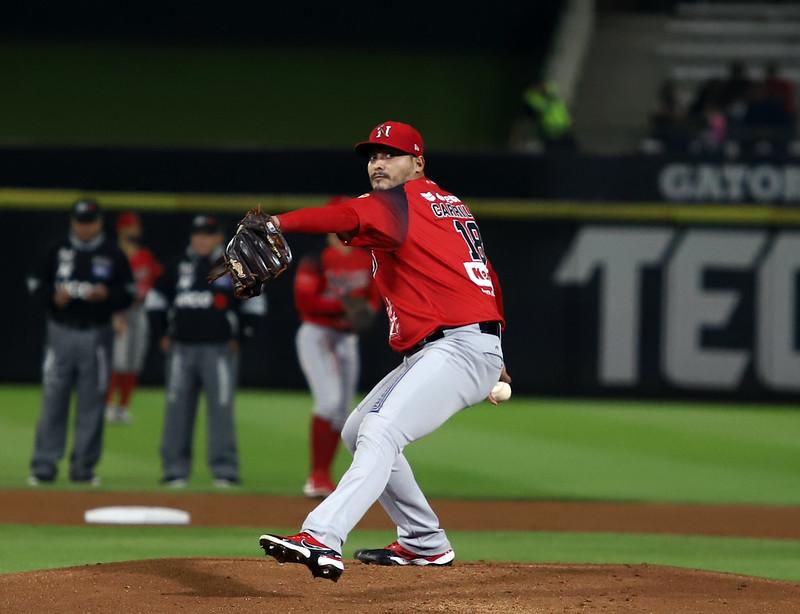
{"points": [[85, 211], [205, 224]]}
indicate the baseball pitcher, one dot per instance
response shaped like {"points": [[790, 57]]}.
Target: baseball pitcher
{"points": [[445, 314]]}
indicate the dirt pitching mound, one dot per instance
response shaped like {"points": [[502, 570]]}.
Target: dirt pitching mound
{"points": [[261, 585]]}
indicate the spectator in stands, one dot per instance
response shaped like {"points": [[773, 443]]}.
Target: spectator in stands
{"points": [[780, 88], [550, 113], [709, 93], [707, 122], [766, 110], [735, 113], [735, 91], [715, 128], [766, 124], [668, 122]]}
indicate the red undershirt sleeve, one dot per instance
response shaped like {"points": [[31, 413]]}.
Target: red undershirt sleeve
{"points": [[378, 220], [320, 220]]}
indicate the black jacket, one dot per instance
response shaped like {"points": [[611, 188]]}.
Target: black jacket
{"points": [[185, 307], [78, 267]]}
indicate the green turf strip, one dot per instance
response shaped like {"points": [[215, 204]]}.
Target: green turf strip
{"points": [[37, 547], [246, 95], [527, 448]]}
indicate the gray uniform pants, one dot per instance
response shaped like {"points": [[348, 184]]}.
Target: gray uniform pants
{"points": [[80, 359], [190, 368], [330, 362], [130, 344], [412, 401]]}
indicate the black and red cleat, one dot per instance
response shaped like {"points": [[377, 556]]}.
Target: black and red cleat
{"points": [[302, 548], [395, 554]]}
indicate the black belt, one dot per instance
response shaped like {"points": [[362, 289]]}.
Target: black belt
{"points": [[488, 328]]}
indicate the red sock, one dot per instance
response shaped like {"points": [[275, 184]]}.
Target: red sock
{"points": [[113, 384], [127, 385], [324, 441]]}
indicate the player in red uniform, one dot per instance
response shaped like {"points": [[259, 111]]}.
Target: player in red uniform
{"points": [[327, 345], [130, 328], [445, 317]]}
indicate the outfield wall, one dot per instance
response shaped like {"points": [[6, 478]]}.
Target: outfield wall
{"points": [[625, 298]]}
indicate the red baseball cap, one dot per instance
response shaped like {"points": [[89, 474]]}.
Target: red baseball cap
{"points": [[128, 219], [397, 135]]}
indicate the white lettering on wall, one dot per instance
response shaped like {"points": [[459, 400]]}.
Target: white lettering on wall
{"points": [[618, 255], [730, 182], [689, 308], [779, 361]]}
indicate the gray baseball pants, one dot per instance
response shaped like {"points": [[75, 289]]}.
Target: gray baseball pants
{"points": [[414, 400], [330, 362], [193, 367], [80, 359], [130, 345]]}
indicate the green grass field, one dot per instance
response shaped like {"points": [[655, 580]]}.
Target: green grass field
{"points": [[118, 94], [527, 448]]}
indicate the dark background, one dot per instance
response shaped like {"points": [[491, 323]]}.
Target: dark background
{"points": [[520, 26]]}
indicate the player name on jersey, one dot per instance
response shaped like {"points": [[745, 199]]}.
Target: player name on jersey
{"points": [[447, 205]]}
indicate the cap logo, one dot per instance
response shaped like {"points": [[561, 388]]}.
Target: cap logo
{"points": [[383, 131]]}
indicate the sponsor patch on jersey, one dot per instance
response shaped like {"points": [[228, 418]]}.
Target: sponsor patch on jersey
{"points": [[479, 275], [66, 263], [194, 299], [101, 267]]}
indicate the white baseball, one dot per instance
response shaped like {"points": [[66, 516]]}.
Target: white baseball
{"points": [[501, 392]]}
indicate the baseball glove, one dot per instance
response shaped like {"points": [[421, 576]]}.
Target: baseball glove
{"points": [[358, 312], [256, 254]]}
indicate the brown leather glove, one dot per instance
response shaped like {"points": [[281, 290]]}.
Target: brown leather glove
{"points": [[256, 254]]}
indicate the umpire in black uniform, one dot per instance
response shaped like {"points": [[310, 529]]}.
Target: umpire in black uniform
{"points": [[82, 280], [200, 325]]}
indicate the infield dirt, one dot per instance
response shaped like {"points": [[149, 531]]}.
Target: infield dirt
{"points": [[259, 584], [57, 507]]}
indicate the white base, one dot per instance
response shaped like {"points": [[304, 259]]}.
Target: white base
{"points": [[136, 514]]}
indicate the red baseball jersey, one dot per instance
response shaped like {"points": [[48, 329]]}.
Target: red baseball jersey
{"points": [[323, 279], [146, 269], [430, 261]]}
